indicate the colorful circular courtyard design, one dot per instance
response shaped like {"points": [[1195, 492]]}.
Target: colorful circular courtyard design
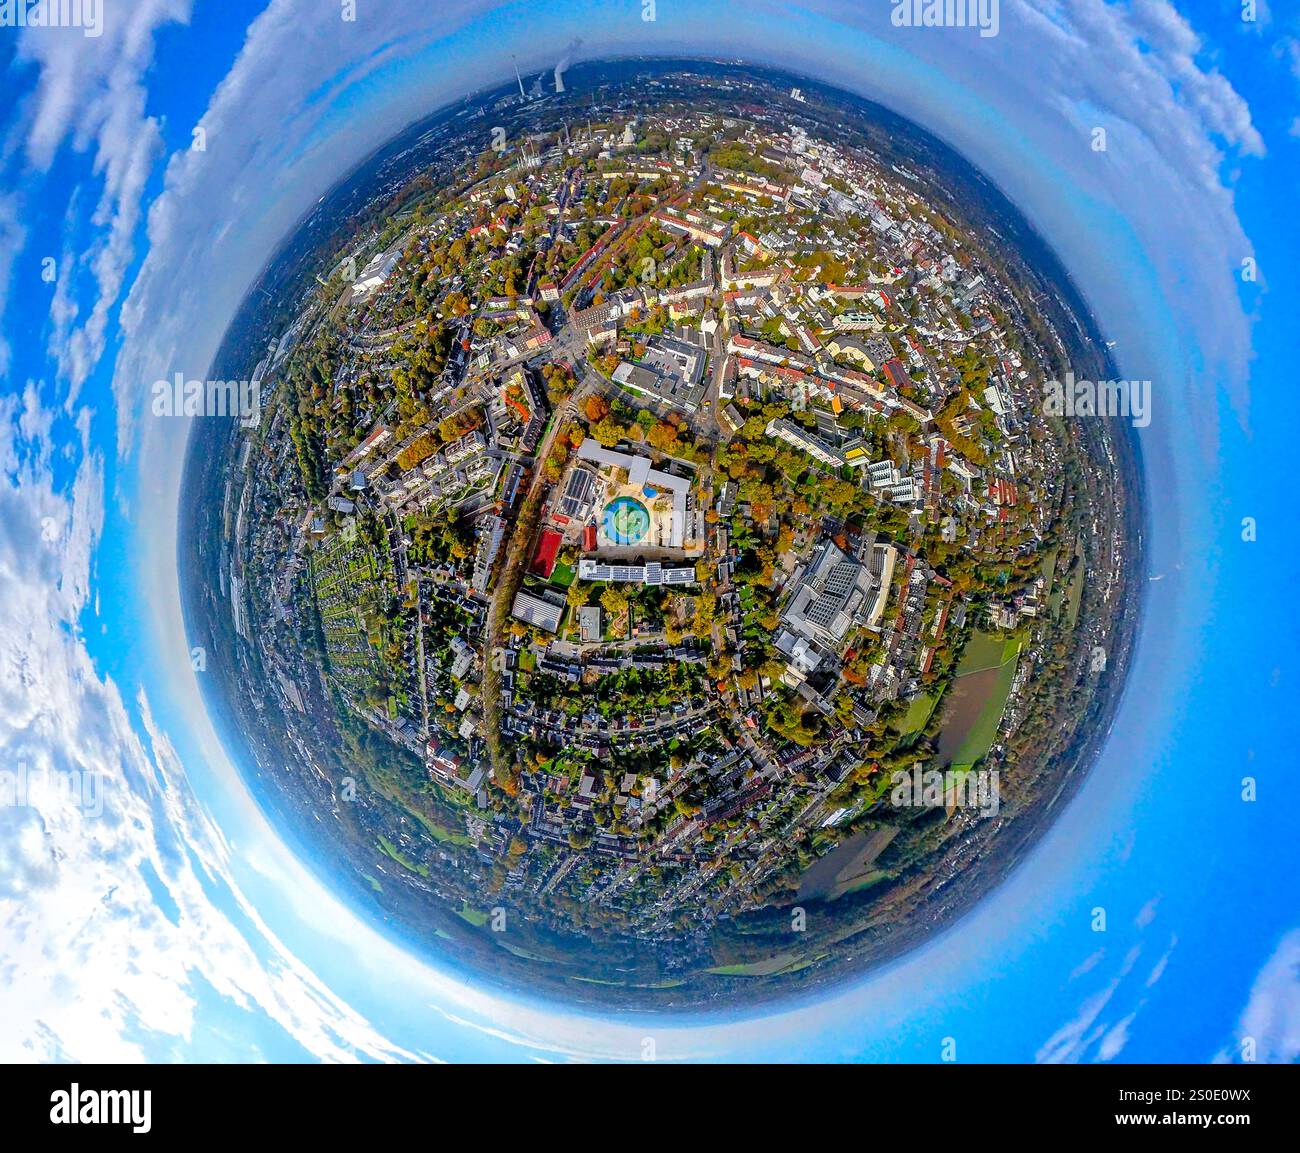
{"points": [[626, 520]]}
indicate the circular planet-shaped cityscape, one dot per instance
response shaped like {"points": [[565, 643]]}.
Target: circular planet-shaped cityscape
{"points": [[685, 537]]}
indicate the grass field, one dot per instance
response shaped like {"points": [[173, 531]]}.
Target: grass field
{"points": [[918, 714], [522, 954], [781, 963], [983, 651], [1066, 590], [474, 916], [1074, 596], [867, 880], [981, 735], [1049, 570], [391, 850], [439, 832], [765, 968], [625, 984]]}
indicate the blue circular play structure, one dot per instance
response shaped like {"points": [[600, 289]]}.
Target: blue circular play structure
{"points": [[626, 520]]}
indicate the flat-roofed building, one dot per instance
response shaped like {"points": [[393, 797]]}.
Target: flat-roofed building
{"points": [[648, 574], [542, 611], [589, 623], [672, 371], [578, 494], [641, 475], [832, 595], [374, 274], [815, 446]]}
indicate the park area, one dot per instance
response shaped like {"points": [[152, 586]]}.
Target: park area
{"points": [[978, 698]]}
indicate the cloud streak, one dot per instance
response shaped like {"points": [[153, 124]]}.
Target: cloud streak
{"points": [[90, 95], [1271, 1020]]}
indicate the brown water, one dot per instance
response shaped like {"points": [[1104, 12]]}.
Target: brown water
{"points": [[966, 701]]}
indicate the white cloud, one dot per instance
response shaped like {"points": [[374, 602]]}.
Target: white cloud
{"points": [[1158, 969], [90, 94], [13, 235], [1088, 1032], [1089, 963], [92, 966], [1072, 1040], [1201, 88], [1272, 1015], [1288, 47], [269, 165], [1115, 1039], [1147, 913]]}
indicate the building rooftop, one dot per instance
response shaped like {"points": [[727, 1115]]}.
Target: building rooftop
{"points": [[831, 595], [543, 611], [641, 475]]}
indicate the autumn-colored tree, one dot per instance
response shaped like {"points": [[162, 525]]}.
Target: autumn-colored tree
{"points": [[609, 432], [613, 601], [663, 436]]}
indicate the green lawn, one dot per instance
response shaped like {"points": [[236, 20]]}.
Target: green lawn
{"points": [[867, 880], [983, 651], [771, 967], [522, 954], [624, 984], [918, 714], [1067, 589], [391, 850], [1075, 595], [985, 730], [473, 916], [765, 968], [1049, 570], [439, 832]]}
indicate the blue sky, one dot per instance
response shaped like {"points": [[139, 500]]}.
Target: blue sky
{"points": [[176, 924]]}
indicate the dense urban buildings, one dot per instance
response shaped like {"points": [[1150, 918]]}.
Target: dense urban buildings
{"points": [[634, 500]]}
